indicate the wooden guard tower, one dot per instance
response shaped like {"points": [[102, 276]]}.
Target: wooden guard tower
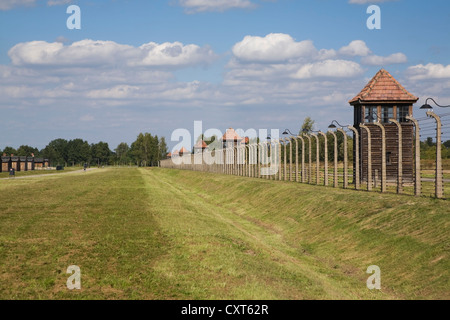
{"points": [[383, 98]]}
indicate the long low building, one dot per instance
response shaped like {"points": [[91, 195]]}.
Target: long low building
{"points": [[22, 163]]}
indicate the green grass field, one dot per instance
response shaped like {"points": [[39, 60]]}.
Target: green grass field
{"points": [[169, 234]]}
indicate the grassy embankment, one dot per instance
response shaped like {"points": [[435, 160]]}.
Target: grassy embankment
{"points": [[169, 234]]}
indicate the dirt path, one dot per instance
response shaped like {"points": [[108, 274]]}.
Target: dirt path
{"points": [[47, 174]]}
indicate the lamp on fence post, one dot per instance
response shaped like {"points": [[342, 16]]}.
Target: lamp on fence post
{"points": [[309, 154], [439, 190]]}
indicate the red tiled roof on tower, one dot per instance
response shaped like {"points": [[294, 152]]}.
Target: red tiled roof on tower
{"points": [[183, 151], [231, 135], [383, 87], [201, 145]]}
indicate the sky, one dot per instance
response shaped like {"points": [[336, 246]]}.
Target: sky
{"points": [[157, 66]]}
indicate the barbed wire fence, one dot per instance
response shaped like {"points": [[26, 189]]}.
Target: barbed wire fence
{"points": [[313, 158]]}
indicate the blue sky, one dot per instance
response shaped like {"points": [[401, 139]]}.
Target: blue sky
{"points": [[155, 66]]}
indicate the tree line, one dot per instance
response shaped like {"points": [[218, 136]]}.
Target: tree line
{"points": [[146, 150]]}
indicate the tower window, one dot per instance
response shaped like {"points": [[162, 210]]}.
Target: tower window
{"points": [[387, 113], [402, 113], [370, 115]]}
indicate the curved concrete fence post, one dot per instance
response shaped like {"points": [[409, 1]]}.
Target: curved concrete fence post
{"points": [[303, 158], [369, 156], [335, 160], [296, 158], [285, 140], [383, 156], [325, 158], [417, 171], [400, 156], [258, 168], [345, 157], [317, 157], [439, 190], [290, 159], [279, 159], [309, 158], [356, 175]]}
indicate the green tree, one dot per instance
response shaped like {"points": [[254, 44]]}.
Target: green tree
{"points": [[122, 153], [10, 150], [78, 151], [308, 125], [100, 153], [56, 151], [25, 150], [163, 150]]}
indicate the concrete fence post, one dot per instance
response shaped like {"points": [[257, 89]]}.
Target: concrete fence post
{"points": [[400, 156], [369, 157], [290, 159], [417, 171], [285, 159], [317, 157], [383, 156], [439, 190], [296, 158], [309, 159], [325, 157], [335, 160], [356, 176], [345, 157], [303, 158], [279, 158]]}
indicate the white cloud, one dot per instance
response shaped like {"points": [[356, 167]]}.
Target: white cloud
{"points": [[274, 47], [355, 48], [329, 68], [394, 58], [174, 54], [106, 53], [428, 71], [10, 4], [193, 6]]}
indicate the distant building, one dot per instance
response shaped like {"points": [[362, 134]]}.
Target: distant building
{"points": [[183, 151], [231, 138], [200, 146]]}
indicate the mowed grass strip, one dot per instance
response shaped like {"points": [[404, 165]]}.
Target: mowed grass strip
{"points": [[169, 234], [271, 239], [98, 220]]}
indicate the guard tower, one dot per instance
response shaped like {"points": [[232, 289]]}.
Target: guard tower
{"points": [[383, 98]]}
